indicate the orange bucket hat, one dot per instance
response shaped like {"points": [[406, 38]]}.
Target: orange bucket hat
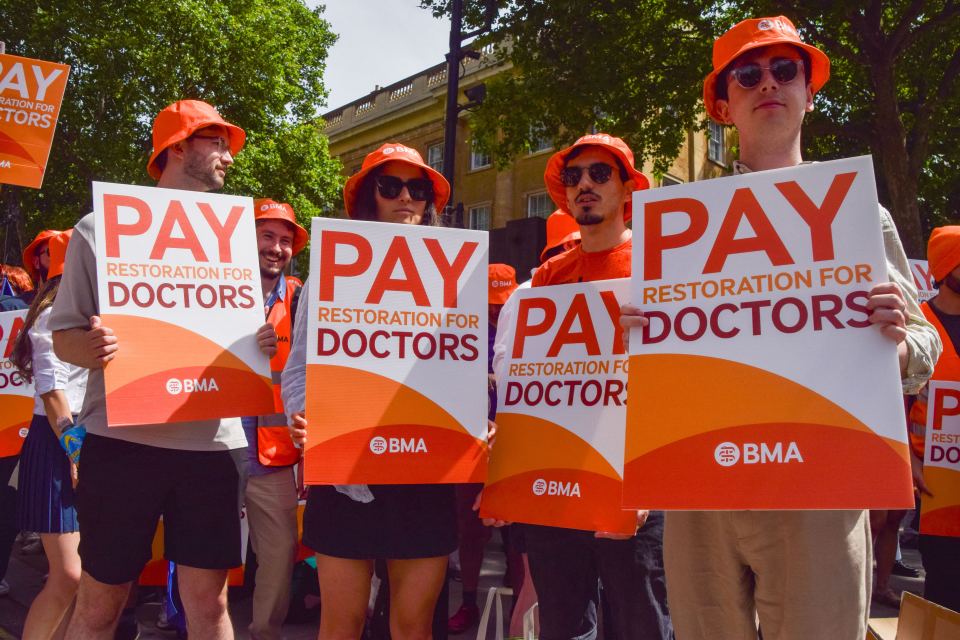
{"points": [[502, 281], [31, 249], [753, 34], [267, 209], [394, 152], [561, 229], [180, 120], [943, 251], [58, 252], [614, 145]]}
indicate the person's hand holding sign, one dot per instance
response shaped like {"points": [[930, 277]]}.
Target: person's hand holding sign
{"points": [[630, 317], [101, 344], [298, 429], [267, 339], [889, 312]]}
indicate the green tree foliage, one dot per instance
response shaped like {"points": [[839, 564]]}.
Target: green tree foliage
{"points": [[260, 62], [621, 66], [635, 68]]}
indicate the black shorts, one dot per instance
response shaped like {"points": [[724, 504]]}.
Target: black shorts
{"points": [[124, 489], [404, 521]]}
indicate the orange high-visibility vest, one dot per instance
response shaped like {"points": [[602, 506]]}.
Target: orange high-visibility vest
{"points": [[947, 369], [274, 446]]}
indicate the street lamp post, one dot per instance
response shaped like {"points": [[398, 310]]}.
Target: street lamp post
{"points": [[453, 108]]}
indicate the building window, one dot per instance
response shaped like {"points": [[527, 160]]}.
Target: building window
{"points": [[668, 180], [539, 142], [479, 160], [435, 156], [716, 148], [539, 205], [478, 218]]}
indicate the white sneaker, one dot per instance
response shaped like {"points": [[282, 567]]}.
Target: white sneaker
{"points": [[4, 588]]}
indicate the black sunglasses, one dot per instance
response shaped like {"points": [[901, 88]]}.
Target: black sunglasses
{"points": [[390, 187], [783, 70], [599, 172]]}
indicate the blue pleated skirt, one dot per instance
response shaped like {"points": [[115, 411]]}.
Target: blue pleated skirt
{"points": [[46, 502]]}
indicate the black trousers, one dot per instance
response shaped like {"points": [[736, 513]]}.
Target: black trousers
{"points": [[941, 560], [8, 512], [572, 570]]}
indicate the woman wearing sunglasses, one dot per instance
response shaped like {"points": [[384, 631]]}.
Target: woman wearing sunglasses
{"points": [[412, 527]]}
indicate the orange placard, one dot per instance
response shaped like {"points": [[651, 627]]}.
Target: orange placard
{"points": [[561, 407], [759, 381], [16, 394], [179, 284], [396, 375], [922, 279], [940, 513], [30, 95]]}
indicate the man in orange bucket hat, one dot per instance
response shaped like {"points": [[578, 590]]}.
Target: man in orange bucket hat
{"points": [[188, 472], [804, 574]]}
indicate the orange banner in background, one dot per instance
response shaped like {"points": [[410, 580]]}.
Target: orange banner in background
{"points": [[31, 92]]}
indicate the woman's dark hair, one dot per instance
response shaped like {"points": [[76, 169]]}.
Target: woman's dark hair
{"points": [[366, 204], [22, 354], [720, 86]]}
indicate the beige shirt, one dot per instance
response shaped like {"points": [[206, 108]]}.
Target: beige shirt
{"points": [[76, 301], [923, 342]]}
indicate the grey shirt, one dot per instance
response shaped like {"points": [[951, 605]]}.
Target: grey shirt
{"points": [[76, 301]]}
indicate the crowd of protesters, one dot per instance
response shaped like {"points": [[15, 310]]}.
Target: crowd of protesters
{"points": [[725, 574]]}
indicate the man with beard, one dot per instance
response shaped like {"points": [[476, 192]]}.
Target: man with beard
{"points": [[593, 181], [271, 493], [188, 472]]}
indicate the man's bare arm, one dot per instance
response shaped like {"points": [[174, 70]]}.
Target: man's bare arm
{"points": [[90, 348]]}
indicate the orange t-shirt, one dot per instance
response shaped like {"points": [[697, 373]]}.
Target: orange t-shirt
{"points": [[577, 265]]}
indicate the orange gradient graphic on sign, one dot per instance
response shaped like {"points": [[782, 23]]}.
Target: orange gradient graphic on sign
{"points": [[567, 484], [151, 385], [31, 92], [395, 436], [752, 441]]}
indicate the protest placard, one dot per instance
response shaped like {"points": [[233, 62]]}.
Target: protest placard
{"points": [[16, 394], [179, 283], [940, 513], [923, 279], [396, 366], [561, 398], [30, 95], [760, 382]]}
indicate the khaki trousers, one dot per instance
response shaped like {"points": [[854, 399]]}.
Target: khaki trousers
{"points": [[805, 574], [272, 515]]}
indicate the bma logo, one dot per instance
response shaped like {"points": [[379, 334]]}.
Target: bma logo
{"points": [[728, 454], [554, 488], [176, 386], [24, 431], [380, 445]]}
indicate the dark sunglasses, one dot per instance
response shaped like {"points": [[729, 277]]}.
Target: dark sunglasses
{"points": [[783, 70], [390, 187], [599, 173]]}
